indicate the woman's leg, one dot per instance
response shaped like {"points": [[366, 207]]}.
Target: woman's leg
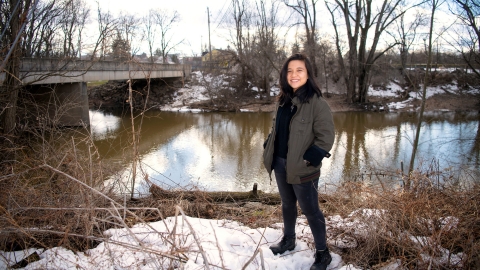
{"points": [[307, 195], [287, 194]]}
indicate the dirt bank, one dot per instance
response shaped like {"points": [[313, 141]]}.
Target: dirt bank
{"points": [[447, 101], [115, 95]]}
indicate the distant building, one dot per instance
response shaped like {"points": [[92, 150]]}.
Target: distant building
{"points": [[169, 59], [218, 59], [141, 57], [194, 61]]}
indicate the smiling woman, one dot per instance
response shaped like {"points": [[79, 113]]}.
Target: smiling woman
{"points": [[302, 134], [297, 74]]}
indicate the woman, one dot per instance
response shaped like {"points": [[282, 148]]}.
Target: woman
{"points": [[301, 136]]}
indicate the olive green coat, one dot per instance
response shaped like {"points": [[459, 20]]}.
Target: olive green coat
{"points": [[311, 124]]}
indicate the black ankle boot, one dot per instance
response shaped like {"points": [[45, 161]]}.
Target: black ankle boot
{"points": [[287, 243], [322, 260]]}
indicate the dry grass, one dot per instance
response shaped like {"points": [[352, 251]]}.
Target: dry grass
{"points": [[416, 226], [39, 192], [52, 198]]}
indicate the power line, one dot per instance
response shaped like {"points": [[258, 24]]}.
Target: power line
{"points": [[221, 10], [229, 9]]}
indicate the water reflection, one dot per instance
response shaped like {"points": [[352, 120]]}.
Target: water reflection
{"points": [[223, 151], [382, 141], [104, 125]]}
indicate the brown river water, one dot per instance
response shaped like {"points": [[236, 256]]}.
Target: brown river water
{"points": [[223, 151]]}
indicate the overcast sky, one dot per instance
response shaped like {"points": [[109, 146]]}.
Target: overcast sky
{"points": [[193, 24]]}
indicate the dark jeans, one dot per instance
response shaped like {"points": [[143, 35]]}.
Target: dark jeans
{"points": [[307, 196]]}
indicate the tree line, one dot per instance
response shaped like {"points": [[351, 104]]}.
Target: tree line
{"points": [[345, 39]]}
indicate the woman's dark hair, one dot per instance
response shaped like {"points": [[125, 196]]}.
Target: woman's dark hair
{"points": [[307, 91]]}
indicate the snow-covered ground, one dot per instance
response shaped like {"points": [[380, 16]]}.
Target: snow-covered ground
{"points": [[183, 242], [393, 90], [194, 93], [199, 244]]}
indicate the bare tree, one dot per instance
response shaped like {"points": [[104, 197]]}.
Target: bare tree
{"points": [[149, 31], [15, 16], [468, 38], [82, 19], [165, 23], [405, 34], [265, 59], [68, 21], [41, 30], [308, 12], [296, 45], [325, 52], [240, 38], [128, 29], [360, 20], [107, 26], [434, 5], [254, 34], [55, 29], [349, 75]]}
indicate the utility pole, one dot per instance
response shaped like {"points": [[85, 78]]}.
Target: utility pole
{"points": [[209, 44]]}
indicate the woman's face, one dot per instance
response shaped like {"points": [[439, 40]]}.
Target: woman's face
{"points": [[297, 74]]}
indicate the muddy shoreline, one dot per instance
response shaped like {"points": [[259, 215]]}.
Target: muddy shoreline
{"points": [[441, 102], [338, 103], [114, 96]]}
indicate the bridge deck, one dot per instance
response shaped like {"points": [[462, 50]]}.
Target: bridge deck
{"points": [[51, 71]]}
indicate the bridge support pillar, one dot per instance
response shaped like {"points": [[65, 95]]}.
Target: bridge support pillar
{"points": [[65, 104]]}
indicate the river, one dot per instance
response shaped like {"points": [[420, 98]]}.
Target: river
{"points": [[223, 151]]}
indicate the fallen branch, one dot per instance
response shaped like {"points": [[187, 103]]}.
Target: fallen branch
{"points": [[217, 196]]}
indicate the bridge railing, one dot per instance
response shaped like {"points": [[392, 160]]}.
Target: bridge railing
{"points": [[48, 71], [56, 65]]}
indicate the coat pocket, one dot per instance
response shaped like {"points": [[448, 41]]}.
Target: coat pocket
{"points": [[310, 177], [301, 125]]}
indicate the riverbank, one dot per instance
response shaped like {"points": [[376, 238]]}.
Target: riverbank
{"points": [[193, 95], [391, 97], [447, 101]]}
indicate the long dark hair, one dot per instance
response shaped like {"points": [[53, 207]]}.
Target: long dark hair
{"points": [[307, 91]]}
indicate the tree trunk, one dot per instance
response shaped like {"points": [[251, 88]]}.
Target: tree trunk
{"points": [[219, 196], [363, 84], [351, 76], [403, 58], [351, 87], [11, 84], [424, 97], [313, 59]]}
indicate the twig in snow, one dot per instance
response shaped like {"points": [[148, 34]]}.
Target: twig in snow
{"points": [[218, 246], [178, 209]]}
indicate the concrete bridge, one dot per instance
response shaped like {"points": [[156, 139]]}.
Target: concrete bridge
{"points": [[60, 84]]}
